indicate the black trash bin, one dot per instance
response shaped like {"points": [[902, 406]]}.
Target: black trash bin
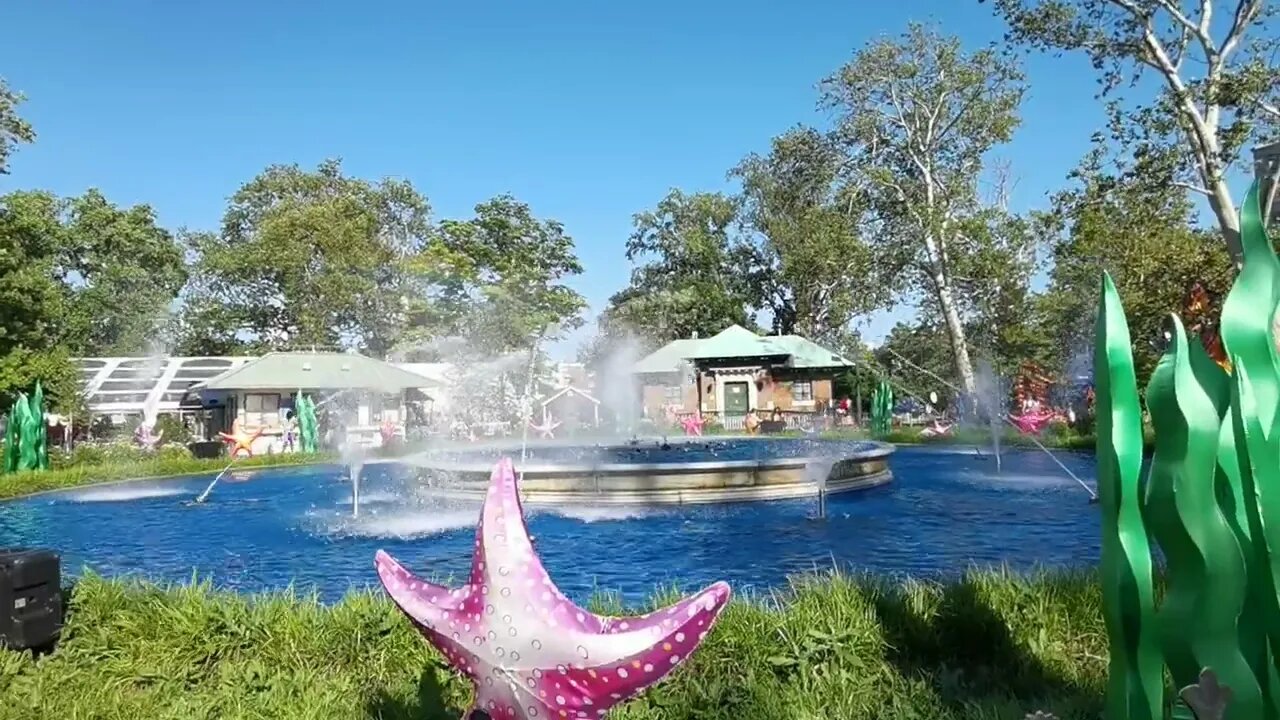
{"points": [[206, 449], [30, 599]]}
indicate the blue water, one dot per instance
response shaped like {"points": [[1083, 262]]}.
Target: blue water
{"points": [[946, 510]]}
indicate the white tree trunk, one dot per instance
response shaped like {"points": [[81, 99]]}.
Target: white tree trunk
{"points": [[955, 331], [1228, 221]]}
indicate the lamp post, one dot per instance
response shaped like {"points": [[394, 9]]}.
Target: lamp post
{"points": [[1266, 166]]}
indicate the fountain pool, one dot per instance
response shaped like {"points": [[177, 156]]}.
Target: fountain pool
{"points": [[678, 471], [947, 509]]}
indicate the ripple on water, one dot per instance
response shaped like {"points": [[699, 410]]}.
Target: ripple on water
{"points": [[392, 524], [122, 493], [596, 513]]}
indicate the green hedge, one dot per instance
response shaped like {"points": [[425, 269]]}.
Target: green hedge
{"points": [[993, 645], [106, 463]]}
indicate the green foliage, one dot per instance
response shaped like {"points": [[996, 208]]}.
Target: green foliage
{"points": [[1215, 89], [497, 279], [916, 119], [306, 258], [13, 129], [93, 464], [812, 269], [87, 275], [1134, 229], [692, 273], [833, 646]]}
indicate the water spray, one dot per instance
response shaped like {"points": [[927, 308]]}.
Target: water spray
{"points": [[204, 495], [526, 415], [1093, 496]]}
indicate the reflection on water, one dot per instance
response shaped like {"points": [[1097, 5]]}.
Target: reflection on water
{"points": [[946, 509]]}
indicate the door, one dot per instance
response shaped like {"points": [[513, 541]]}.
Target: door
{"points": [[736, 399]]}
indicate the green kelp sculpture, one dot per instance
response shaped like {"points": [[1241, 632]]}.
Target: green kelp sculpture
{"points": [[305, 408], [41, 438], [1212, 501], [25, 446], [882, 409], [11, 443], [1136, 675], [1205, 566]]}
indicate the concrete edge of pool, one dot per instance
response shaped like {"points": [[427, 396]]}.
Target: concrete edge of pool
{"points": [[668, 483]]}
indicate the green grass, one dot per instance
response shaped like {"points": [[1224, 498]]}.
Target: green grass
{"points": [[162, 464], [993, 645]]}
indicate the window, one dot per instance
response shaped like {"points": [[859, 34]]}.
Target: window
{"points": [[802, 391], [260, 403], [673, 395], [261, 409]]}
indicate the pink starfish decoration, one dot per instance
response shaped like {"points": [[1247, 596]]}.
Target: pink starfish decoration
{"points": [[546, 429], [692, 424], [530, 651], [1032, 423]]}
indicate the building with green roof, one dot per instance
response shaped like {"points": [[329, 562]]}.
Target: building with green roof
{"points": [[363, 395], [737, 370]]}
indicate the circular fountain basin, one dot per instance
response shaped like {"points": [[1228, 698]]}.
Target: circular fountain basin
{"points": [[655, 471]]}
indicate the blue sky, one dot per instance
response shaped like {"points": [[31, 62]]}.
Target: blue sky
{"points": [[588, 111]]}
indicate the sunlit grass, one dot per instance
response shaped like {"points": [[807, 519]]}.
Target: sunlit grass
{"points": [[163, 465], [992, 645]]}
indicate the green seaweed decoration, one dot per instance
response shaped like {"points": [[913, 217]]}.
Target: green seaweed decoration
{"points": [[11, 441], [1212, 501], [24, 435], [882, 409], [1205, 565], [40, 439], [1136, 674], [306, 412]]}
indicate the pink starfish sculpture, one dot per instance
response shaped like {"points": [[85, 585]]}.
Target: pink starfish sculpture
{"points": [[692, 424], [530, 651], [547, 429], [1033, 422]]}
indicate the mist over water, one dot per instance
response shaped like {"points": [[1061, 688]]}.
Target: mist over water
{"points": [[991, 404], [123, 493]]}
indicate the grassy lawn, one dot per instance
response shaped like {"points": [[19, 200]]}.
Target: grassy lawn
{"points": [[162, 464], [989, 646]]}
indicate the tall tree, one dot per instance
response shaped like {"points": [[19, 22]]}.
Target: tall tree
{"points": [[13, 129], [815, 271], [497, 278], [1135, 229], [692, 273], [917, 117], [307, 258], [34, 305], [1219, 88], [115, 268], [124, 270]]}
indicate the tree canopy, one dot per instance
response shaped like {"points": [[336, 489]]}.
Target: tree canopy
{"points": [[693, 273], [1218, 90], [13, 129]]}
